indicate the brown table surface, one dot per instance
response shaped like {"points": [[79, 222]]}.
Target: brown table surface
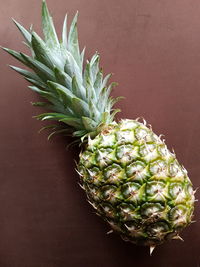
{"points": [[153, 48]]}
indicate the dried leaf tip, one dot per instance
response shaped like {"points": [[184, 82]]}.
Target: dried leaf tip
{"points": [[109, 232], [177, 237], [151, 249]]}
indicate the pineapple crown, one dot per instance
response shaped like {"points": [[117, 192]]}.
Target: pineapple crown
{"points": [[76, 94]]}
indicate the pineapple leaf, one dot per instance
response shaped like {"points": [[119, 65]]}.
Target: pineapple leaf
{"points": [[73, 45], [72, 68], [82, 57], [72, 121], [15, 54], [105, 80], [47, 106], [94, 66], [98, 82], [89, 124], [64, 32], [80, 133], [24, 32], [86, 75], [64, 94], [36, 83], [50, 116], [39, 104], [90, 91], [59, 87], [94, 113], [52, 126], [63, 78], [48, 95], [105, 117], [42, 71], [112, 101], [48, 27], [103, 85], [76, 89], [26, 73], [57, 132], [114, 113], [110, 87], [102, 99], [40, 50], [80, 107]]}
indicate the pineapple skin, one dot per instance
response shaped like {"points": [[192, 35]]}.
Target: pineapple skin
{"points": [[136, 184]]}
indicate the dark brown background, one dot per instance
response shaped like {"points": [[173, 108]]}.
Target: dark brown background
{"points": [[153, 48]]}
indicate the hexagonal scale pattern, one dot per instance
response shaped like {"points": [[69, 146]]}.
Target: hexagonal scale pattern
{"points": [[136, 184]]}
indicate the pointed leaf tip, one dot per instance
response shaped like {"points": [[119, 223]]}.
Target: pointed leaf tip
{"points": [[73, 44], [64, 32], [24, 32], [48, 27]]}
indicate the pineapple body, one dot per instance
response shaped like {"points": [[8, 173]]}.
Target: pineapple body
{"points": [[136, 184]]}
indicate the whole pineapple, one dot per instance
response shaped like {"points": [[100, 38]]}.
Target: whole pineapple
{"points": [[130, 177]]}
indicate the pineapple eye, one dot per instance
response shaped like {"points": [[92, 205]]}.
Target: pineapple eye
{"points": [[136, 232], [105, 157], [152, 210], [162, 149], [159, 168], [93, 193], [125, 137], [94, 176], [110, 193], [114, 174], [128, 124], [87, 159], [143, 135], [128, 212], [149, 152], [158, 230], [107, 140], [137, 171], [179, 216], [176, 171], [127, 153], [132, 192], [108, 210], [156, 191]]}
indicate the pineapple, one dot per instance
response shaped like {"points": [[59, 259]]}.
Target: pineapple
{"points": [[130, 177]]}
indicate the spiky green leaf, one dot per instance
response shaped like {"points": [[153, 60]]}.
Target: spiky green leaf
{"points": [[89, 124], [24, 32], [80, 107], [42, 71], [41, 51], [15, 54], [63, 78], [72, 121], [36, 83], [73, 45], [70, 88], [48, 28], [64, 32], [27, 74]]}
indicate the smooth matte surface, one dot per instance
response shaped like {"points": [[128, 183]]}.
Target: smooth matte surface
{"points": [[153, 48]]}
